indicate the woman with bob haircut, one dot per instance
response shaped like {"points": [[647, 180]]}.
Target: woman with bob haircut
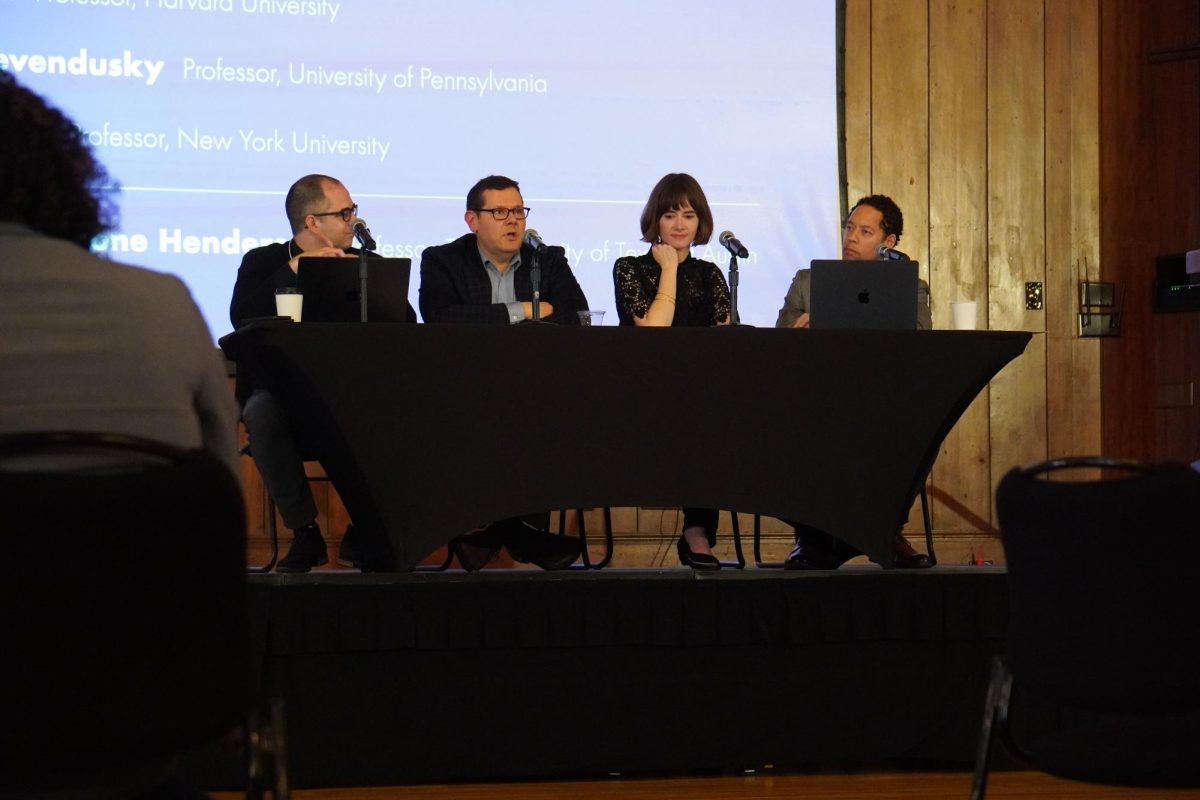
{"points": [[667, 286]]}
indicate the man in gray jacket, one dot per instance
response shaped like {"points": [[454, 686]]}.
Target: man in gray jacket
{"points": [[875, 220]]}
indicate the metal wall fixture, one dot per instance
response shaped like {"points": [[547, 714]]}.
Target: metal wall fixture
{"points": [[1100, 305], [1099, 309]]}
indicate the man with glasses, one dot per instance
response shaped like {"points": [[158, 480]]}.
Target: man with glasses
{"points": [[321, 212], [484, 277]]}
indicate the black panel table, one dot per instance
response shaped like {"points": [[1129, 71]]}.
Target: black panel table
{"points": [[428, 431]]}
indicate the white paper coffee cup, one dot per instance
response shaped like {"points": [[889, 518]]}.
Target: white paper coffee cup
{"points": [[289, 303], [963, 313]]}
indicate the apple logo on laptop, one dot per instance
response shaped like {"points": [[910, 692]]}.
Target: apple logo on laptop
{"points": [[864, 296]]}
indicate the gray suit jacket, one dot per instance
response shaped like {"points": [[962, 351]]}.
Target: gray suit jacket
{"points": [[90, 345], [796, 302]]}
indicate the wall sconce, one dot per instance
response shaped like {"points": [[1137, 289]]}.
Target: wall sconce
{"points": [[1099, 309]]}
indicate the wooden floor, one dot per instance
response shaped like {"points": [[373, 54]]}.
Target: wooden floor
{"points": [[764, 786]]}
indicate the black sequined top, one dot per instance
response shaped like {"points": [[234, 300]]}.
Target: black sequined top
{"points": [[701, 294]]}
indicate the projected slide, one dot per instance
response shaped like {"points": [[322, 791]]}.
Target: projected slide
{"points": [[205, 111]]}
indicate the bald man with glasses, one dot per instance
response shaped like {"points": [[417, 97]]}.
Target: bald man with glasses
{"points": [[321, 213]]}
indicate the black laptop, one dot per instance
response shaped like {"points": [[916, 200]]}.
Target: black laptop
{"points": [[876, 295], [331, 289]]}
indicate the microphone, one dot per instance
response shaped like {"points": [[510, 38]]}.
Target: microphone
{"points": [[363, 233], [885, 253], [733, 245], [534, 240]]}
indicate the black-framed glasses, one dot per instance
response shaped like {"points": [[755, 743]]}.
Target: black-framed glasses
{"points": [[346, 214], [501, 214]]}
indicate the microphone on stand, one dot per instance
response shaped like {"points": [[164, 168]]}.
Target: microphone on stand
{"points": [[363, 233], [733, 245], [736, 250], [535, 271], [534, 240], [885, 253]]}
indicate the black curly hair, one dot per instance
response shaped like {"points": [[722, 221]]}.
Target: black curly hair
{"points": [[893, 220], [49, 179]]}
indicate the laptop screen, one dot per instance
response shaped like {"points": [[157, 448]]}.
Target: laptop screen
{"points": [[876, 295], [331, 289]]}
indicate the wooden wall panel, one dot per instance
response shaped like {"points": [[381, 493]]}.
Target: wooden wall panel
{"points": [[1016, 224], [1072, 222], [962, 485], [858, 98], [1125, 169], [984, 127], [1150, 174], [900, 118]]}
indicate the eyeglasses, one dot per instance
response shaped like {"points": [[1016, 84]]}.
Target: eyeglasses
{"points": [[346, 214], [501, 214]]}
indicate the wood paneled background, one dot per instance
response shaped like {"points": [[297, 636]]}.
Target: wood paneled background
{"points": [[1150, 168], [1038, 141], [1026, 141], [981, 119]]}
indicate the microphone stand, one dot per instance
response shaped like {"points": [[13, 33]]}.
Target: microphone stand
{"points": [[362, 284], [734, 317], [535, 276]]}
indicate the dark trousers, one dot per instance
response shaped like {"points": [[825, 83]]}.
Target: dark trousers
{"points": [[276, 445]]}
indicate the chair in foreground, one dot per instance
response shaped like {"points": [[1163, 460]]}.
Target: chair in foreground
{"points": [[1104, 622], [125, 619]]}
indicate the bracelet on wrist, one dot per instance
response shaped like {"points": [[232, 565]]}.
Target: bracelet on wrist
{"points": [[666, 297]]}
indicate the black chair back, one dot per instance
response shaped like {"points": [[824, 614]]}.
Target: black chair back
{"points": [[1103, 589], [124, 602]]}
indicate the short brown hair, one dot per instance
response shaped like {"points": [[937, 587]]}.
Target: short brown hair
{"points": [[305, 197], [496, 183], [672, 193]]}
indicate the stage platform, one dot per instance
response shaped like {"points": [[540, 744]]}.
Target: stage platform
{"points": [[432, 677]]}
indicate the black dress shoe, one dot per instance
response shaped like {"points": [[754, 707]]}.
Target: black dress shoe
{"points": [[531, 545], [805, 556], [349, 551], [307, 551], [905, 557], [475, 550], [701, 561]]}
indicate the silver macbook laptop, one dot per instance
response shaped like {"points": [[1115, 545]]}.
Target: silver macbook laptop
{"points": [[878, 295]]}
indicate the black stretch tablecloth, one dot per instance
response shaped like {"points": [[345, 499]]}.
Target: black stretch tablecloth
{"points": [[428, 431]]}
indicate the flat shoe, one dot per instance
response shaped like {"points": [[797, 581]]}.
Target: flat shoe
{"points": [[700, 561]]}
